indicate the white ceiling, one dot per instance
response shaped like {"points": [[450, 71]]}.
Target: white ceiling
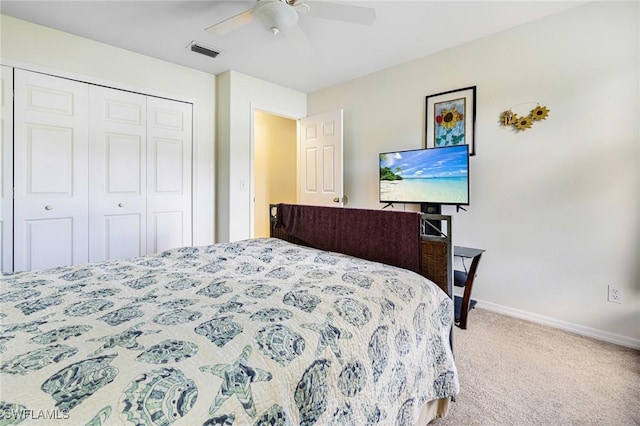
{"points": [[403, 30]]}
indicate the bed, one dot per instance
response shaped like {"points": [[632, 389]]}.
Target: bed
{"points": [[270, 331]]}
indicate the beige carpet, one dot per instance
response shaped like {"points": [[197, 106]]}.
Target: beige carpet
{"points": [[514, 372]]}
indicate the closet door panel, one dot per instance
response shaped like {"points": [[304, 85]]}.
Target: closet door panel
{"points": [[50, 169], [167, 230], [49, 161], [123, 234], [117, 174], [48, 243], [6, 169], [169, 149]]}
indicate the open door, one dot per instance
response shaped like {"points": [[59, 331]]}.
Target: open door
{"points": [[321, 180], [275, 170]]}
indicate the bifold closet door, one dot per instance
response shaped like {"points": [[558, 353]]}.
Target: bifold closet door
{"points": [[117, 174], [50, 171], [169, 144], [6, 169]]}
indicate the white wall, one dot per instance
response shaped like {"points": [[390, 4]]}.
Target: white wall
{"points": [[44, 49], [556, 206], [239, 97]]}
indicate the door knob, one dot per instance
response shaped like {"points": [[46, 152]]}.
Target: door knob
{"points": [[120, 204], [48, 207]]}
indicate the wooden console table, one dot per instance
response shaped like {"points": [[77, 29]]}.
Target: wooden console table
{"points": [[465, 279]]}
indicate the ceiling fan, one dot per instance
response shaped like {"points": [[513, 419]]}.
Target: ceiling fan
{"points": [[282, 16]]}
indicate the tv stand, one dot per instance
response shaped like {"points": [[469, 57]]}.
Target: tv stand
{"points": [[388, 205]]}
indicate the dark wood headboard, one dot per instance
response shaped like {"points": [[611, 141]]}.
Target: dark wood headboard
{"points": [[387, 236]]}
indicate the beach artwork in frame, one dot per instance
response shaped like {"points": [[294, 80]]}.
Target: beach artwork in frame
{"points": [[451, 118]]}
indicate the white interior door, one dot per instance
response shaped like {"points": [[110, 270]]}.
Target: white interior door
{"points": [[169, 144], [321, 181], [50, 169], [117, 174], [6, 169]]}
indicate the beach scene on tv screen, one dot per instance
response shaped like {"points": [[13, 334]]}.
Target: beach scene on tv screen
{"points": [[438, 175]]}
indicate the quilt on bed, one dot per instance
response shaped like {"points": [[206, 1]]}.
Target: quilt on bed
{"points": [[257, 332]]}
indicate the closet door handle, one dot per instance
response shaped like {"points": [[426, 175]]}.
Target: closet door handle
{"points": [[48, 207], [120, 204]]}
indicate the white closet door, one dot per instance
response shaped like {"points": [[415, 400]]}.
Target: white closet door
{"points": [[6, 169], [117, 174], [50, 169], [169, 143]]}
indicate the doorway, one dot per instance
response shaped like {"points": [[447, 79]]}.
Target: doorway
{"points": [[274, 166]]}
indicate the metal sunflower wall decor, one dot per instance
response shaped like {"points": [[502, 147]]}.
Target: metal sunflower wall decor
{"points": [[510, 118]]}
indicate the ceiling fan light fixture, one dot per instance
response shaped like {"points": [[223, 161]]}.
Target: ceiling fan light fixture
{"points": [[275, 15]]}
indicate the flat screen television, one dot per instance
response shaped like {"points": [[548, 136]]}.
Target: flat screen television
{"points": [[434, 175]]}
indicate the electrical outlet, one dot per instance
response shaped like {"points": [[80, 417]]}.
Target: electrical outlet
{"points": [[615, 294]]}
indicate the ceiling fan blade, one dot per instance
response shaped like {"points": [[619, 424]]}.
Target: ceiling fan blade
{"points": [[299, 41], [230, 24], [341, 12]]}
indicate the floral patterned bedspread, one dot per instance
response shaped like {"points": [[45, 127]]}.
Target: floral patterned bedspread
{"points": [[257, 332]]}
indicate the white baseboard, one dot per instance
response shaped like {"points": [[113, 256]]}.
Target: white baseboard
{"points": [[562, 325]]}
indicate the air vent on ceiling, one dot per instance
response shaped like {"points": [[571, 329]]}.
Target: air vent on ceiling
{"points": [[203, 50]]}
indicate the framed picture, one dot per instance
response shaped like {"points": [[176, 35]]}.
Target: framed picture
{"points": [[451, 119]]}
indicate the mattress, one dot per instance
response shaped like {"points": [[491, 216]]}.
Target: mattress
{"points": [[254, 332]]}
